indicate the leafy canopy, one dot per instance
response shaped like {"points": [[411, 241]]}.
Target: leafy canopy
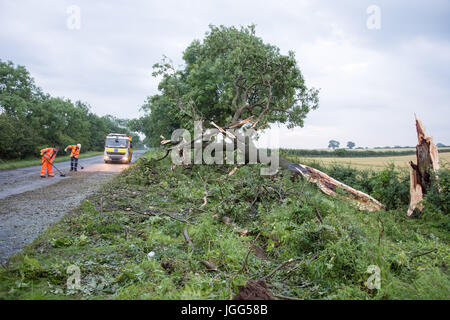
{"points": [[229, 76], [31, 120], [333, 144]]}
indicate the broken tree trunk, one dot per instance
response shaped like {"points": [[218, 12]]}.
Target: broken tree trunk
{"points": [[421, 174], [326, 184], [332, 187]]}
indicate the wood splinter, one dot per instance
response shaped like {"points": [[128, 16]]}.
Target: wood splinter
{"points": [[332, 187], [421, 174]]}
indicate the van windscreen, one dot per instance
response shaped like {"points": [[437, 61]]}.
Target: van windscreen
{"points": [[116, 142]]}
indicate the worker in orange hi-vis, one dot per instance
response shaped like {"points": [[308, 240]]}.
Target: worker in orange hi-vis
{"points": [[75, 152], [48, 156]]}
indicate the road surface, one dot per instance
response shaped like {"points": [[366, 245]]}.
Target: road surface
{"points": [[30, 204]]}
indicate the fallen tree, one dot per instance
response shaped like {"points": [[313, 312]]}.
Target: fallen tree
{"points": [[327, 184], [423, 172], [236, 83], [331, 187]]}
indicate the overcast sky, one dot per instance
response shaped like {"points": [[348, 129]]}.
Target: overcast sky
{"points": [[371, 80]]}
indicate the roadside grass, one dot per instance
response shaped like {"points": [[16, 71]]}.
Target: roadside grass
{"points": [[142, 210], [15, 164]]}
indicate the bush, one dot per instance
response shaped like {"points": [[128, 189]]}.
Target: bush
{"points": [[390, 187], [438, 197]]}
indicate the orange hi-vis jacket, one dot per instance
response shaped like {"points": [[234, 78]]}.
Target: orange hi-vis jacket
{"points": [[49, 154], [75, 151]]}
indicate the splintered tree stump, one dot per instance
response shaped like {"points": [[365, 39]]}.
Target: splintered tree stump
{"points": [[421, 174]]}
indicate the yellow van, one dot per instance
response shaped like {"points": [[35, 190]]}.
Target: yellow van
{"points": [[118, 148]]}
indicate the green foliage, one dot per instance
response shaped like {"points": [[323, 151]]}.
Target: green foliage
{"points": [[432, 285], [18, 139], [161, 119], [31, 120], [228, 76], [390, 186], [437, 201], [438, 197], [110, 236], [333, 144]]}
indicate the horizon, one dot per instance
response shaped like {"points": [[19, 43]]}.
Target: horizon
{"points": [[373, 77]]}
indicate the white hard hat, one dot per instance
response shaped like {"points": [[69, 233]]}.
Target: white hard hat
{"points": [[79, 145]]}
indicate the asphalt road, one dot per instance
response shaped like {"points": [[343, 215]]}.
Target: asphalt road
{"points": [[30, 204], [17, 181]]}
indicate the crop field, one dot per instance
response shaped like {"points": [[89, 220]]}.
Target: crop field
{"points": [[374, 163]]}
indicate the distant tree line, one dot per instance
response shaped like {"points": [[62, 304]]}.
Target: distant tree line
{"points": [[344, 153], [334, 144], [31, 119]]}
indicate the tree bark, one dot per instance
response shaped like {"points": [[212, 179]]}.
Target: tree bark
{"points": [[332, 187], [421, 174]]}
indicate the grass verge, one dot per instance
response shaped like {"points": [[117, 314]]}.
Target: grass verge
{"points": [[129, 241], [15, 164]]}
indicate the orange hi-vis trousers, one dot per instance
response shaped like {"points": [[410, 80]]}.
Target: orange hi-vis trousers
{"points": [[47, 159], [46, 166]]}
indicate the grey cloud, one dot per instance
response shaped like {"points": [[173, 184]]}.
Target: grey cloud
{"points": [[371, 80]]}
